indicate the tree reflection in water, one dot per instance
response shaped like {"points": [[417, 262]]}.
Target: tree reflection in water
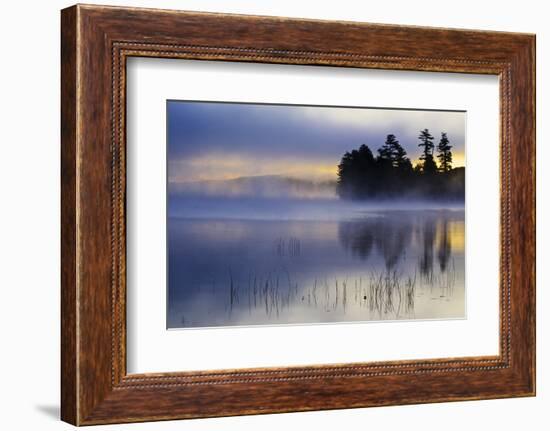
{"points": [[396, 233], [444, 250]]}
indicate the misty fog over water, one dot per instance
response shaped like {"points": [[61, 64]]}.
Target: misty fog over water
{"points": [[256, 260]]}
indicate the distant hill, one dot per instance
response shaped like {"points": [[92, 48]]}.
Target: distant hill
{"points": [[266, 186]]}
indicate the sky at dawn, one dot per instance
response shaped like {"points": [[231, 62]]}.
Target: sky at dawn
{"points": [[220, 141]]}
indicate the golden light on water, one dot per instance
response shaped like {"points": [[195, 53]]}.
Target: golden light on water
{"points": [[457, 236]]}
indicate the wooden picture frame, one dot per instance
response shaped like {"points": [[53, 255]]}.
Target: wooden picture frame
{"points": [[95, 43]]}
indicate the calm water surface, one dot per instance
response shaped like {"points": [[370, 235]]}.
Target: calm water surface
{"points": [[280, 268]]}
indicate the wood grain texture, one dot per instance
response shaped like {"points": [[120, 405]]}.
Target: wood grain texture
{"points": [[69, 397], [96, 41]]}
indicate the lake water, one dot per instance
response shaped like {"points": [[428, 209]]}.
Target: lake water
{"points": [[312, 262]]}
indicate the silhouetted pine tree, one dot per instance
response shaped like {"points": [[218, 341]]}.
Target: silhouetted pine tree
{"points": [[346, 174], [394, 152], [429, 166], [384, 179], [365, 156], [444, 153], [356, 173], [401, 161], [386, 151], [426, 141]]}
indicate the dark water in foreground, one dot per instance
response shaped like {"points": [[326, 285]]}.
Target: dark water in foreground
{"points": [[364, 265]]}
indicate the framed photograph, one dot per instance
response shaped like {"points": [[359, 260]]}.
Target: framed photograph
{"points": [[265, 215], [271, 220]]}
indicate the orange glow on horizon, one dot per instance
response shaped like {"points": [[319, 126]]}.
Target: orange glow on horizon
{"points": [[459, 160], [216, 167], [219, 167]]}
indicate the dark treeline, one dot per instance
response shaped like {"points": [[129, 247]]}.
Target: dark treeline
{"points": [[390, 174]]}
